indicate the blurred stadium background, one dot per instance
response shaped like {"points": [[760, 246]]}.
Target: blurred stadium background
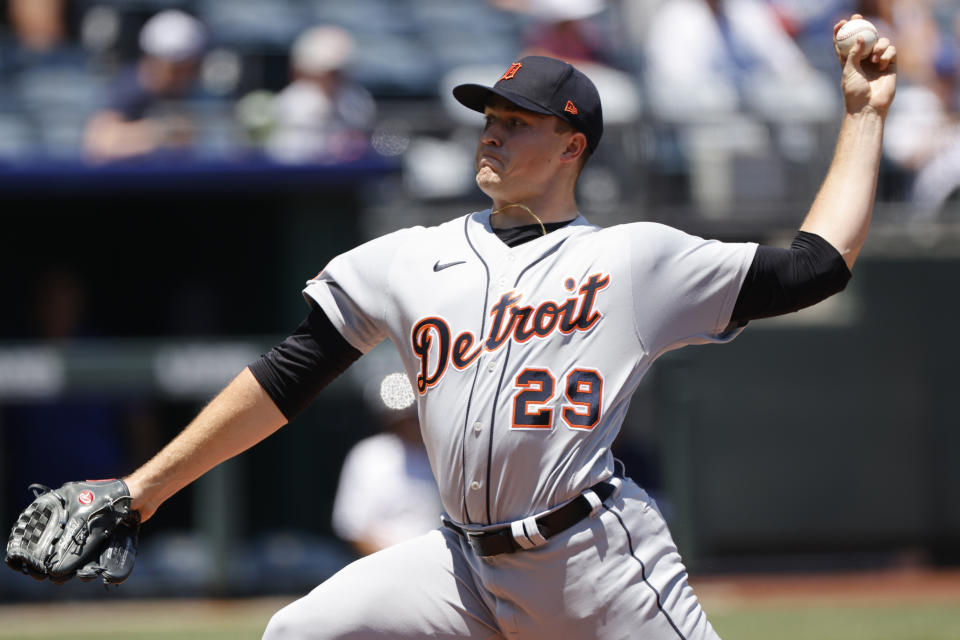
{"points": [[139, 278]]}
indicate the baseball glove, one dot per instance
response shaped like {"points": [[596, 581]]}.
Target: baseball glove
{"points": [[84, 529]]}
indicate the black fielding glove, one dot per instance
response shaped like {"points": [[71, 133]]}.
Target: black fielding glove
{"points": [[84, 529]]}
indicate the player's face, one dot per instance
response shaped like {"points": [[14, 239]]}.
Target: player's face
{"points": [[519, 153]]}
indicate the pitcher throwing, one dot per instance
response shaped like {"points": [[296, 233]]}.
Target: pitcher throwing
{"points": [[524, 330]]}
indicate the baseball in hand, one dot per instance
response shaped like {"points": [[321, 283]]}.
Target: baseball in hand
{"points": [[847, 37]]}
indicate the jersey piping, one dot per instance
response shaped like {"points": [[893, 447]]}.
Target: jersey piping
{"points": [[643, 573], [473, 385], [503, 371]]}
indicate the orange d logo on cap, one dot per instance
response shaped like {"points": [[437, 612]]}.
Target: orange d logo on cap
{"points": [[512, 71]]}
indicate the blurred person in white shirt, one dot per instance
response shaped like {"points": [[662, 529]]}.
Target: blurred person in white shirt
{"points": [[706, 57], [321, 116], [387, 492]]}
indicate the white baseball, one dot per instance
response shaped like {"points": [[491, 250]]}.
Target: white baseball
{"points": [[847, 37]]}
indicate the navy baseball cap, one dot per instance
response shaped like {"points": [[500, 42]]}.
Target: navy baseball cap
{"points": [[544, 85]]}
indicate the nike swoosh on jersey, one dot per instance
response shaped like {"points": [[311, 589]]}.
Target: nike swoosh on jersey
{"points": [[440, 267]]}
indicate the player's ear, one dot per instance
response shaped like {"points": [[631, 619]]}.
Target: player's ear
{"points": [[576, 147]]}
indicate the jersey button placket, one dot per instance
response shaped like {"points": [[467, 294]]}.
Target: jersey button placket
{"points": [[505, 276], [475, 485], [477, 427]]}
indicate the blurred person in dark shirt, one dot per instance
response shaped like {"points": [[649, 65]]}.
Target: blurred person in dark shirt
{"points": [[144, 115]]}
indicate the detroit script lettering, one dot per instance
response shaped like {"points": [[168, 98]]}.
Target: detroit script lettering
{"points": [[511, 321]]}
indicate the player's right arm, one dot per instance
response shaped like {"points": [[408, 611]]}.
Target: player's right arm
{"points": [[263, 398], [344, 302], [239, 417]]}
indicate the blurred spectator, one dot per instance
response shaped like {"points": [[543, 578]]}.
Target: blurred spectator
{"points": [[38, 36], [924, 120], [60, 305], [911, 24], [387, 492], [739, 93], [561, 29], [802, 16], [146, 113], [321, 116], [46, 92], [923, 133], [810, 24], [569, 30], [706, 57]]}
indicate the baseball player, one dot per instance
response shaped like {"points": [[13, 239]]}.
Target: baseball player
{"points": [[524, 330]]}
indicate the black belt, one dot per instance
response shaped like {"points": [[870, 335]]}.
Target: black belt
{"points": [[491, 543]]}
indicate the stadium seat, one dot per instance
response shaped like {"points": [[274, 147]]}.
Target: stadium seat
{"points": [[364, 17], [17, 137], [246, 24]]}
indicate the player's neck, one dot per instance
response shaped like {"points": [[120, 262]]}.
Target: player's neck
{"points": [[508, 214]]}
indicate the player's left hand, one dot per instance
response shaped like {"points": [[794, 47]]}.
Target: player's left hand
{"points": [[868, 84], [83, 529]]}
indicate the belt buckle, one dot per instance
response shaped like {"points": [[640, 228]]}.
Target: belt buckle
{"points": [[474, 540], [473, 535]]}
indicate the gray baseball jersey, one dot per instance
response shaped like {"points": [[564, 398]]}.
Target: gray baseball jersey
{"points": [[524, 360]]}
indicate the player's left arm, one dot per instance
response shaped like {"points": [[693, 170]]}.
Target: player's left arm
{"points": [[841, 212]]}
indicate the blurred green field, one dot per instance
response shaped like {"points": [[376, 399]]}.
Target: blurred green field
{"points": [[856, 608], [139, 620], [823, 622], [184, 634], [892, 605]]}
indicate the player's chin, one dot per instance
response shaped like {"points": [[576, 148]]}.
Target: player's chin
{"points": [[488, 181]]}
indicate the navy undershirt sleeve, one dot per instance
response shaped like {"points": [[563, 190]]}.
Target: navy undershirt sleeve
{"points": [[297, 369], [780, 281]]}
